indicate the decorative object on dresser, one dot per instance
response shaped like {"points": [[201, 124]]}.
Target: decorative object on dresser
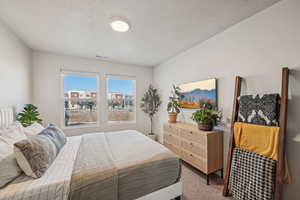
{"points": [[173, 105], [206, 118], [195, 94], [150, 104], [201, 149]]}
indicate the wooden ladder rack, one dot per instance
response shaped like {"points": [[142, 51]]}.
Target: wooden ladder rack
{"points": [[282, 123]]}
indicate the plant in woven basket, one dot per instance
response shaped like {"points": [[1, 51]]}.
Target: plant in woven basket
{"points": [[206, 118], [150, 103], [29, 115]]}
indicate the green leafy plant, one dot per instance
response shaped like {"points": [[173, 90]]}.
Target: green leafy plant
{"points": [[173, 104], [150, 103], [29, 115], [207, 115]]}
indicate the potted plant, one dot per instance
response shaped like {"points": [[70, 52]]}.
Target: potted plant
{"points": [[150, 104], [173, 105], [29, 115], [206, 118]]}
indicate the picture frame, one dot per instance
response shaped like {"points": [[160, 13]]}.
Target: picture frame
{"points": [[195, 94]]}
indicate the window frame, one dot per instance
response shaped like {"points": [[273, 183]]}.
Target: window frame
{"points": [[62, 98], [119, 123]]}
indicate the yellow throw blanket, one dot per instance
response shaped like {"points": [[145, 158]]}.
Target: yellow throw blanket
{"points": [[260, 139]]}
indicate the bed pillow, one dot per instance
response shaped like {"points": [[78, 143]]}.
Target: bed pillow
{"points": [[259, 109], [9, 169], [13, 133], [33, 129], [36, 154], [57, 136], [8, 165]]}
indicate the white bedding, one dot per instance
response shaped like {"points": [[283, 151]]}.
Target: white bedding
{"points": [[53, 185]]}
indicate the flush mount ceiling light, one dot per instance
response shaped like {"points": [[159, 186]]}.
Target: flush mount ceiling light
{"points": [[120, 25]]}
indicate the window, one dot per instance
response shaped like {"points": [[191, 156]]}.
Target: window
{"points": [[80, 99], [120, 99]]}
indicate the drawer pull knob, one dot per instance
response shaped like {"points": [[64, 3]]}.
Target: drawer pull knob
{"points": [[191, 132], [191, 155], [191, 144]]}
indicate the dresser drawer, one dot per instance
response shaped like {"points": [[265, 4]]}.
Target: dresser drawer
{"points": [[170, 129], [194, 160], [199, 138], [194, 147], [173, 148], [172, 139], [201, 149]]}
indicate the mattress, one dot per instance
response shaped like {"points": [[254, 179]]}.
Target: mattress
{"points": [[121, 165]]}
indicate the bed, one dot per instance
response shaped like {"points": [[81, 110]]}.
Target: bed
{"points": [[121, 165]]}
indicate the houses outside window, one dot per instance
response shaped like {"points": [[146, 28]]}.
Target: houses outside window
{"points": [[80, 99], [82, 105], [121, 92]]}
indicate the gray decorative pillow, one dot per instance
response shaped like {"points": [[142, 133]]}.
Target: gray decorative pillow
{"points": [[56, 135], [36, 154]]}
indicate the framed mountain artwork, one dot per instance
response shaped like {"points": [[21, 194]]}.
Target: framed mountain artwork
{"points": [[195, 94]]}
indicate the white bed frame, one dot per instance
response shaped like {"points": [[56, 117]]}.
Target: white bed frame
{"points": [[171, 192], [6, 117]]}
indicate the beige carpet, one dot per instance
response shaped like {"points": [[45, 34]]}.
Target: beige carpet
{"points": [[195, 188]]}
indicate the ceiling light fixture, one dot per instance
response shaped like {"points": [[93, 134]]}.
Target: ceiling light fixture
{"points": [[120, 25]]}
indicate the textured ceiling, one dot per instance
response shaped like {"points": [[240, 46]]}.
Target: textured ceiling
{"points": [[160, 28]]}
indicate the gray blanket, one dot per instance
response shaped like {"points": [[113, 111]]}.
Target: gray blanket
{"points": [[121, 166], [94, 174]]}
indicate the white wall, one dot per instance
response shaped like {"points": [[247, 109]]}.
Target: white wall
{"points": [[47, 87], [255, 49], [15, 69]]}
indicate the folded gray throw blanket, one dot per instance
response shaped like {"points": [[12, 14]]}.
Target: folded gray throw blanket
{"points": [[121, 165]]}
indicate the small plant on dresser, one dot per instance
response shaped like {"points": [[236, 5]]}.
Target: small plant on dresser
{"points": [[173, 107], [206, 118]]}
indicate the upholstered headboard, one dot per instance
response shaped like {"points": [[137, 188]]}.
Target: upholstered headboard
{"points": [[6, 116]]}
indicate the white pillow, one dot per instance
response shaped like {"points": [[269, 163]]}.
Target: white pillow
{"points": [[8, 164], [13, 133], [33, 129]]}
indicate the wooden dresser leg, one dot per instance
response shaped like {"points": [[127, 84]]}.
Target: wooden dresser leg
{"points": [[207, 179], [222, 176], [178, 198]]}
